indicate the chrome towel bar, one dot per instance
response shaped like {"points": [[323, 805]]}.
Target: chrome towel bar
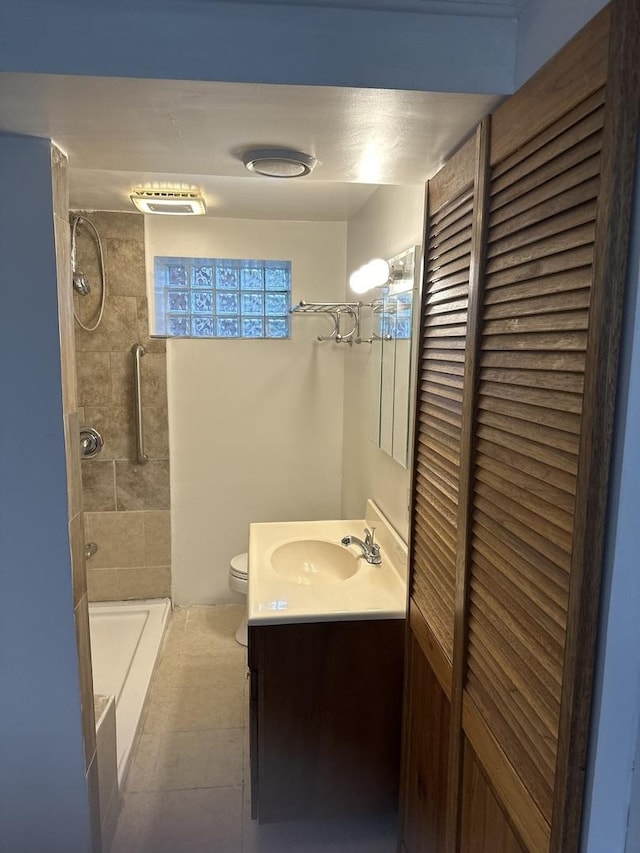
{"points": [[138, 351]]}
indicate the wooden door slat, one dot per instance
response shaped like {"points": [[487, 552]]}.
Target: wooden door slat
{"points": [[491, 446], [550, 192], [534, 306], [568, 159], [516, 235], [583, 108], [550, 210], [547, 538], [497, 432], [562, 262], [538, 416], [503, 548], [561, 401], [550, 151], [553, 244]]}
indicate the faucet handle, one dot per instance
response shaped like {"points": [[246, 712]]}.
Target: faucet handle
{"points": [[369, 536]]}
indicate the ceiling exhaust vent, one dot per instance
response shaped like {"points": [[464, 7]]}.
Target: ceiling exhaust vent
{"points": [[168, 202], [278, 162]]}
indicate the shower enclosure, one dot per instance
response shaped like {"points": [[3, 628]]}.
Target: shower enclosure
{"points": [[126, 504]]}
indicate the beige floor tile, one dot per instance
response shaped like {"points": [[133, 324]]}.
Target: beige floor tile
{"points": [[201, 640], [222, 617], [217, 706], [184, 760], [211, 630], [165, 673], [175, 632], [201, 821], [201, 670]]}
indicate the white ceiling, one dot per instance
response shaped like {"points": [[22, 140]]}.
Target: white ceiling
{"points": [[121, 132]]}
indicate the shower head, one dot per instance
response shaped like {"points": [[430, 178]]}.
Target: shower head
{"points": [[78, 278], [80, 283]]}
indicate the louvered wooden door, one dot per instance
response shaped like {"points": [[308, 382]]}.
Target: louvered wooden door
{"points": [[529, 405], [441, 384], [523, 283]]}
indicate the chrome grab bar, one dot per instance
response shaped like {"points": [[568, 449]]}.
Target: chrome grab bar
{"points": [[138, 351]]}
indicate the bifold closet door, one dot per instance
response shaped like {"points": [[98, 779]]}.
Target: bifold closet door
{"points": [[451, 201], [525, 261], [438, 443]]}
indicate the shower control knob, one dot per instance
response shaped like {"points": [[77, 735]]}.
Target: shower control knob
{"points": [[91, 442]]}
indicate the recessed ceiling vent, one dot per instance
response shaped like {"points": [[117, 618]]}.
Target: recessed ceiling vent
{"points": [[278, 162], [169, 202]]}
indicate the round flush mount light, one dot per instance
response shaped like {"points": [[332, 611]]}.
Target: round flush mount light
{"points": [[278, 162]]}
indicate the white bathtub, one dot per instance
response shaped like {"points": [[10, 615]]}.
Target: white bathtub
{"points": [[126, 637]]}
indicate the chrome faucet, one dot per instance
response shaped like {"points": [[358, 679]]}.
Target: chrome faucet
{"points": [[370, 549]]}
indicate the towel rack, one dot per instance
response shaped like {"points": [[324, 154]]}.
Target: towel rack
{"points": [[138, 351], [337, 311]]}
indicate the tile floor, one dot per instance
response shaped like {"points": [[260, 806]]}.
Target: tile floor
{"points": [[188, 785]]}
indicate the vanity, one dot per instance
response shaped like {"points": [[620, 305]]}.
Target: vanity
{"points": [[326, 636]]}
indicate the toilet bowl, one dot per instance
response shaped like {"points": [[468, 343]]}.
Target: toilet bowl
{"points": [[238, 582]]}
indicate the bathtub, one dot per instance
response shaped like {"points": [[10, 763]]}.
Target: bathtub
{"points": [[126, 637]]}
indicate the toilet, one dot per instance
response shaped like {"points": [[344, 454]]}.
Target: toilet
{"points": [[238, 581]]}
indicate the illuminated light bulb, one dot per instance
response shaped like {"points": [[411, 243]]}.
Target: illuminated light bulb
{"points": [[377, 272], [373, 274]]}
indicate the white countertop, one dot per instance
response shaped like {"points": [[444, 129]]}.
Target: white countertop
{"points": [[373, 592]]}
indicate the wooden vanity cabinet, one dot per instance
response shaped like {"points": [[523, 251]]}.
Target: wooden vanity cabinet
{"points": [[325, 718]]}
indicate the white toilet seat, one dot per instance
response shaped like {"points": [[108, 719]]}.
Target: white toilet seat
{"points": [[239, 566], [238, 581]]}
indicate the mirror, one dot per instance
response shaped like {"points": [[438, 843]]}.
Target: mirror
{"points": [[391, 357]]}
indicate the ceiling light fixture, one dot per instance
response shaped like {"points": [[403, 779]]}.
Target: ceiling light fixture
{"points": [[168, 202], [278, 162]]}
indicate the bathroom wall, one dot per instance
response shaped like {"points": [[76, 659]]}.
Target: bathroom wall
{"points": [[48, 782], [543, 27], [389, 222], [307, 44], [255, 425], [126, 504]]}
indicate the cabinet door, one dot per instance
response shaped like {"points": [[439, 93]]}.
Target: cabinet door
{"points": [[327, 718]]}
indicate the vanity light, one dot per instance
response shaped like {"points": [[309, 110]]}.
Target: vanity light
{"points": [[168, 202], [375, 273]]}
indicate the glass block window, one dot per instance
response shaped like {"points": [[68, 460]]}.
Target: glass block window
{"points": [[394, 317], [222, 298]]}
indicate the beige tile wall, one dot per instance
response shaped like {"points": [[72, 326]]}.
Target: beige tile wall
{"points": [[72, 420], [126, 505]]}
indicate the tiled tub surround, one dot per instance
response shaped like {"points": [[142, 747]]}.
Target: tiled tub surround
{"points": [[126, 505], [188, 788]]}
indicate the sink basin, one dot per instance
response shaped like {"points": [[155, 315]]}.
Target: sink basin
{"points": [[312, 562]]}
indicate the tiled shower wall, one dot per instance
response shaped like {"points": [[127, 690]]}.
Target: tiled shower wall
{"points": [[126, 505]]}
